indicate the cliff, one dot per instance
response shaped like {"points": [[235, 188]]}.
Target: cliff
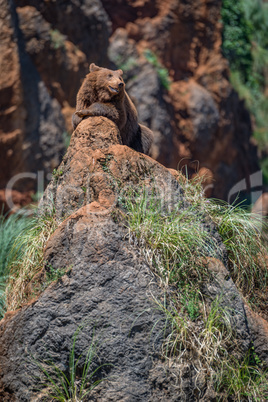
{"points": [[171, 56]]}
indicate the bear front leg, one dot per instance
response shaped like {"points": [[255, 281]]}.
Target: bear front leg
{"points": [[100, 109], [76, 120]]}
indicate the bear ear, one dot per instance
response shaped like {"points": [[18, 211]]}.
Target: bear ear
{"points": [[120, 72], [93, 67]]}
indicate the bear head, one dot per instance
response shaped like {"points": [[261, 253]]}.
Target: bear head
{"points": [[108, 83]]}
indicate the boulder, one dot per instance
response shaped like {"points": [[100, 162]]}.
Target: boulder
{"points": [[108, 289]]}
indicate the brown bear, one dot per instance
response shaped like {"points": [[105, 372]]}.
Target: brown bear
{"points": [[103, 94]]}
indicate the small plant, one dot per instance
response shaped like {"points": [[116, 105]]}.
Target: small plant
{"points": [[57, 173], [189, 299], [126, 65], [105, 163], [53, 274], [243, 381], [242, 236], [66, 138], [161, 71], [57, 39], [71, 386]]}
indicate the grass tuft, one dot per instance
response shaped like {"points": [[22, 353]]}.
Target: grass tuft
{"points": [[10, 228], [25, 258], [76, 384]]}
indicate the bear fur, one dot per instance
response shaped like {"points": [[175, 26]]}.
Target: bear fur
{"points": [[103, 94]]}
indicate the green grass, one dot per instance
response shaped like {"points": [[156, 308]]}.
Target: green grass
{"points": [[25, 257], [241, 234], [10, 228], [176, 243], [170, 238], [244, 381], [77, 383]]}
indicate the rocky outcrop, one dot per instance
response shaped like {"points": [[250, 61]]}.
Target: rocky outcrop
{"points": [[108, 287]]}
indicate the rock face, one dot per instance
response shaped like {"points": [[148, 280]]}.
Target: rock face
{"points": [[199, 122], [46, 48], [108, 286], [31, 120], [42, 68]]}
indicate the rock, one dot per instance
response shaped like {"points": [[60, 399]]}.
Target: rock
{"points": [[221, 286], [261, 205], [107, 288], [32, 124], [258, 327], [204, 116], [61, 65], [110, 289], [92, 25]]}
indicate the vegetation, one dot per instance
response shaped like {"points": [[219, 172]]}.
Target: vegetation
{"points": [[162, 72], [57, 39], [10, 229], [71, 387], [21, 257], [245, 45], [177, 243]]}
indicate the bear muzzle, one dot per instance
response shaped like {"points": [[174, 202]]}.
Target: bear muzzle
{"points": [[116, 90]]}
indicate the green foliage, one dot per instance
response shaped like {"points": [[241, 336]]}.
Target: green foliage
{"points": [[236, 34], [57, 39], [25, 258], [53, 274], [245, 45], [178, 241], [70, 386], [66, 138], [10, 228], [57, 173], [189, 298], [126, 64], [244, 381], [161, 71]]}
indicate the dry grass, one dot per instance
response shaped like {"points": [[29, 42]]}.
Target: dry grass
{"points": [[26, 258]]}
